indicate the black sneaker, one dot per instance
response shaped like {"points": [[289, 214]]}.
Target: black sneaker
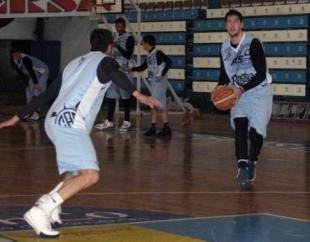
{"points": [[252, 170], [166, 131], [150, 132], [243, 174]]}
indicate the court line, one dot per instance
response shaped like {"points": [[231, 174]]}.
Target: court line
{"points": [[177, 220], [167, 193]]}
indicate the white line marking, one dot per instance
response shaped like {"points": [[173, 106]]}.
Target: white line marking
{"points": [[165, 193]]}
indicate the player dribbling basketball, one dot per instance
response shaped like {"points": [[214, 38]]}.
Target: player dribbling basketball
{"points": [[243, 66]]}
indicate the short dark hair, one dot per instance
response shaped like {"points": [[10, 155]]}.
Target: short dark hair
{"points": [[150, 39], [120, 21], [100, 39], [234, 12]]}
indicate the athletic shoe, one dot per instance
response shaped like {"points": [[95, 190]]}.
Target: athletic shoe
{"points": [[243, 174], [252, 170], [150, 132], [55, 215], [39, 221], [166, 131], [35, 116], [125, 126], [105, 125]]}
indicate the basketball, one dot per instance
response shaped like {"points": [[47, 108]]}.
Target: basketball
{"points": [[224, 98]]}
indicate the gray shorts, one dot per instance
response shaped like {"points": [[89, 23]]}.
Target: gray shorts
{"points": [[74, 149], [42, 80], [159, 89], [115, 92]]}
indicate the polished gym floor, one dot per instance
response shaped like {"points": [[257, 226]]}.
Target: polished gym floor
{"points": [[181, 188]]}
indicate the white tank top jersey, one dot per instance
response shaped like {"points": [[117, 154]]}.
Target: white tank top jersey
{"points": [[38, 66], [81, 93], [238, 63], [154, 70], [121, 41]]}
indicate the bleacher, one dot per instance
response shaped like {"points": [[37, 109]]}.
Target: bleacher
{"points": [[191, 34]]}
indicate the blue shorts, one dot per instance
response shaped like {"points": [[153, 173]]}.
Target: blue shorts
{"points": [[256, 106], [74, 149]]}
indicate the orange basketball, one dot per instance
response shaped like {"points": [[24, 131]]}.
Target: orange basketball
{"points": [[224, 98]]}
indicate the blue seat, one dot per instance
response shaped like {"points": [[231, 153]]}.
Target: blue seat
{"points": [[271, 49]]}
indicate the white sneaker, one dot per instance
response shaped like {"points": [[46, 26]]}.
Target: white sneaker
{"points": [[105, 125], [39, 221], [34, 117], [125, 126], [55, 215]]}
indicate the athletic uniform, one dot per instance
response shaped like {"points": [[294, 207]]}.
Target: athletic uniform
{"points": [[68, 123], [36, 70], [245, 66], [237, 64], [122, 55], [158, 65]]}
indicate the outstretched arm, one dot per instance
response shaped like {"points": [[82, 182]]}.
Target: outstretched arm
{"points": [[45, 97], [109, 70]]}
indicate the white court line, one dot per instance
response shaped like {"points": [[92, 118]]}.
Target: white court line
{"points": [[168, 193], [178, 220]]}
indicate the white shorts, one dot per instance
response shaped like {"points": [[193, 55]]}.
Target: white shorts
{"points": [[256, 106], [74, 149], [42, 80]]}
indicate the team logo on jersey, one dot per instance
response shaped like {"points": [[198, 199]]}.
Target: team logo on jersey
{"points": [[242, 79], [65, 117], [242, 58]]}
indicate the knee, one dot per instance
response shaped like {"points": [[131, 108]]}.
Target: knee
{"points": [[91, 177], [241, 127], [255, 137]]}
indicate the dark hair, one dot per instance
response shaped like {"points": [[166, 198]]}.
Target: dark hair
{"points": [[234, 12], [100, 39], [150, 39], [120, 21]]}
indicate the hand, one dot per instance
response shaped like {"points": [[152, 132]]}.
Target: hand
{"points": [[150, 101], [115, 45], [216, 88], [238, 92], [159, 78], [10, 122], [37, 87]]}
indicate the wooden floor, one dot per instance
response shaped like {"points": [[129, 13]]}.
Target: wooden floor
{"points": [[193, 173]]}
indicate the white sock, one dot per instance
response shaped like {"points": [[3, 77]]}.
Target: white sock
{"points": [[52, 202], [56, 189]]}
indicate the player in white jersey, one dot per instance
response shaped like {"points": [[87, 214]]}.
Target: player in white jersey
{"points": [[33, 71], [85, 81], [158, 64], [123, 48], [243, 66]]}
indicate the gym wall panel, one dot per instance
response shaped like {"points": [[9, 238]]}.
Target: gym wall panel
{"points": [[272, 62], [291, 9], [278, 89], [178, 50], [257, 23], [163, 26], [291, 49], [265, 36]]}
